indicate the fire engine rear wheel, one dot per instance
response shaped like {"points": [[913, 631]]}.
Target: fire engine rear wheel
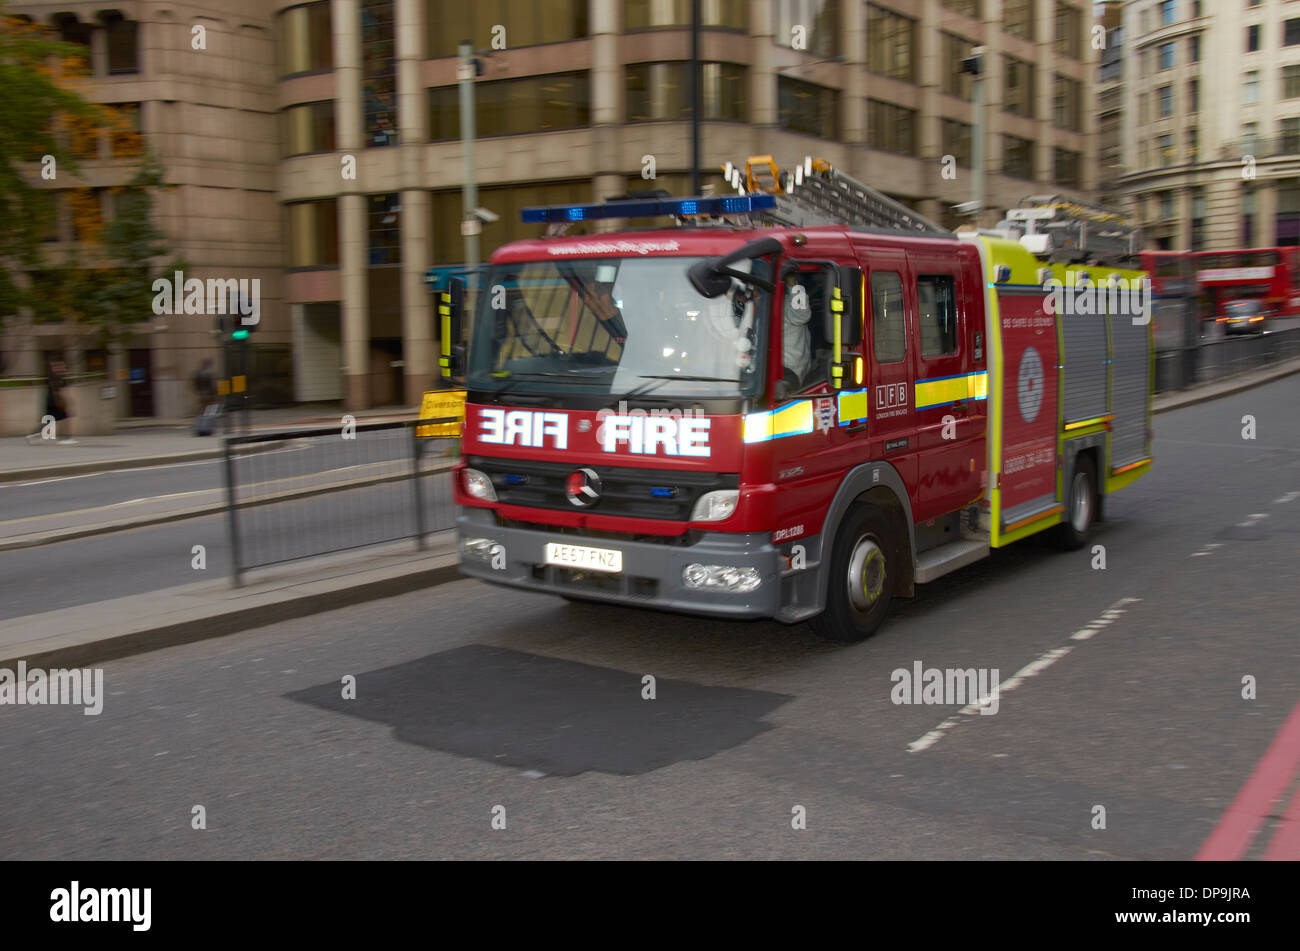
{"points": [[1080, 505], [862, 573]]}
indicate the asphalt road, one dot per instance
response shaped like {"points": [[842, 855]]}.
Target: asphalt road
{"points": [[471, 698]]}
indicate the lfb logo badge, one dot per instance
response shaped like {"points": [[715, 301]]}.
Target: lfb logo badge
{"points": [[1029, 388], [582, 487]]}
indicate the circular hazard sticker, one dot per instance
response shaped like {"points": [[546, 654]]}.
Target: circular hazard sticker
{"points": [[1030, 386]]}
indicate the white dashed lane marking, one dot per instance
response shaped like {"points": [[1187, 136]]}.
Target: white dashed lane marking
{"points": [[1032, 669]]}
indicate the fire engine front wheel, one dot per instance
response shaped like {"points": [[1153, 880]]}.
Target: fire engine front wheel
{"points": [[861, 577]]}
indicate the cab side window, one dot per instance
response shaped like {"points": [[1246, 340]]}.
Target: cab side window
{"points": [[806, 353], [936, 311], [889, 331]]}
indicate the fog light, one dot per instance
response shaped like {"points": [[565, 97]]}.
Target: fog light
{"points": [[479, 485], [482, 549], [721, 578]]}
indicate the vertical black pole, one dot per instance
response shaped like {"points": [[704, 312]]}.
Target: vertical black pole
{"points": [[695, 97], [231, 520], [417, 450]]}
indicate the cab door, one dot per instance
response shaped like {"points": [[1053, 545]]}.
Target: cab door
{"points": [[948, 390], [886, 392]]}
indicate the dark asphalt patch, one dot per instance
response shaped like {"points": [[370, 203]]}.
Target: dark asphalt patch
{"points": [[554, 716]]}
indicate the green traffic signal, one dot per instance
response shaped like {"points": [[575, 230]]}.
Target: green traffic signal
{"points": [[239, 335]]}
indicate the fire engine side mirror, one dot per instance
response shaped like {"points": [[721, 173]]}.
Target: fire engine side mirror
{"points": [[451, 313]]}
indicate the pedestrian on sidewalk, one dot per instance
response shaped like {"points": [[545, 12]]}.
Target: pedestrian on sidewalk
{"points": [[206, 387], [56, 400]]}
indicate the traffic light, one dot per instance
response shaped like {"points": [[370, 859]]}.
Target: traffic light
{"points": [[974, 64]]}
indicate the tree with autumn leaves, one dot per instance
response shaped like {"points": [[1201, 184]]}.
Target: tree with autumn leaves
{"points": [[102, 279]]}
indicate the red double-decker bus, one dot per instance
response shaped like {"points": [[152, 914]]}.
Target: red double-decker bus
{"points": [[1268, 275]]}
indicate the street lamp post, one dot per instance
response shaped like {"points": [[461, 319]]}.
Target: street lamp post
{"points": [[470, 225]]}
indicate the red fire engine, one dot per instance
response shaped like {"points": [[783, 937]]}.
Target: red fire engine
{"points": [[800, 403]]}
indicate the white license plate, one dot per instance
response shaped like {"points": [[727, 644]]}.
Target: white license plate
{"points": [[580, 556]]}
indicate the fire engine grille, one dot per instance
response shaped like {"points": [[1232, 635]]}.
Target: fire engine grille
{"points": [[667, 494]]}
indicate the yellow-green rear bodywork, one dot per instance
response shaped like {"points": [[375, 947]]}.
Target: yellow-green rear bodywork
{"points": [[1026, 272]]}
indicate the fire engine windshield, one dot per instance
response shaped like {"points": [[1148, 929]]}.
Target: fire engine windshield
{"points": [[617, 326]]}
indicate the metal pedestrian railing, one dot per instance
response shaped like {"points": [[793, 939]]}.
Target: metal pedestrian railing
{"points": [[319, 491], [1210, 360]]}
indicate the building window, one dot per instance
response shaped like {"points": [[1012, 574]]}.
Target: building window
{"points": [[1067, 166], [971, 8], [1018, 17], [1166, 98], [385, 232], [1067, 103], [378, 72], [507, 201], [1247, 216], [1288, 213], [891, 40], [1193, 95], [1018, 92], [527, 23], [307, 128], [1291, 35], [891, 128], [514, 106], [1167, 57], [1193, 144], [1017, 157], [1069, 31], [1165, 146], [1144, 112], [1252, 38], [1168, 12], [1291, 82], [955, 82], [1198, 219], [1290, 143], [1250, 88], [306, 43], [125, 135], [123, 45], [658, 91], [313, 228], [807, 108], [656, 14], [1166, 200], [957, 140], [819, 21], [1250, 137], [1194, 49]]}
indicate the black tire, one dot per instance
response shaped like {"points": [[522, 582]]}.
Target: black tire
{"points": [[860, 583], [1081, 505]]}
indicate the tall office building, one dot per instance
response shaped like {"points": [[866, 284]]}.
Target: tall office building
{"points": [[1213, 153], [317, 145]]}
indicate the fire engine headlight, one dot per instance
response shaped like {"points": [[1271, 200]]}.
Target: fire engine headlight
{"points": [[482, 549], [479, 485], [715, 506], [721, 577]]}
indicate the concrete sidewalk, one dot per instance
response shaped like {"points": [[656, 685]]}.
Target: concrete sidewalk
{"points": [[93, 633]]}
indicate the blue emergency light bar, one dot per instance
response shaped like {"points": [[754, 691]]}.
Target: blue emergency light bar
{"points": [[649, 208]]}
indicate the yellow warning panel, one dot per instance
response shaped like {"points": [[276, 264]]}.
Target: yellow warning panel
{"points": [[437, 404], [223, 387], [238, 384]]}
